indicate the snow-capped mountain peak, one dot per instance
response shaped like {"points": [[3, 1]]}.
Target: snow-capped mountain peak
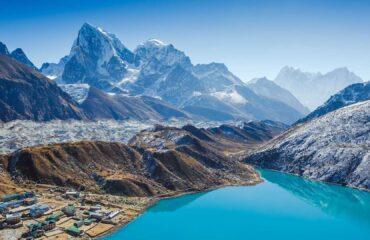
{"points": [[313, 89], [156, 50], [95, 40], [216, 75], [297, 74], [153, 42], [344, 72], [269, 89], [160, 70], [97, 58]]}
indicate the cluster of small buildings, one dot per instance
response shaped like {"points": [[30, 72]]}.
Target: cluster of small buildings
{"points": [[16, 200], [12, 207], [38, 229], [24, 206]]}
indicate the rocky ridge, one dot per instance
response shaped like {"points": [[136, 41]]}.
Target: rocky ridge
{"points": [[27, 94], [162, 160], [332, 148], [354, 93]]}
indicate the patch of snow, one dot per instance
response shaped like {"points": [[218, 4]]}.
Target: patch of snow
{"points": [[153, 43], [321, 86], [52, 77], [196, 94], [77, 91], [231, 96], [131, 75]]}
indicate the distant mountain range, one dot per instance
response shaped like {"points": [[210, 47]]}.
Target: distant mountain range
{"points": [[331, 144], [157, 81], [313, 89], [159, 70], [331, 148], [27, 94]]}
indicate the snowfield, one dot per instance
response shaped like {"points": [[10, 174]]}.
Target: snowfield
{"points": [[332, 148], [77, 91], [21, 133]]}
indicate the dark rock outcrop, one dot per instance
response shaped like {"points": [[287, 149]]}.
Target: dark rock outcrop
{"points": [[27, 94], [3, 49], [20, 56]]}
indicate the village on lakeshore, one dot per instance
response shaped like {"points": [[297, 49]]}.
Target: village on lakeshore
{"points": [[58, 213]]}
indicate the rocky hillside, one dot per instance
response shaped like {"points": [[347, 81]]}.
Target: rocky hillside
{"points": [[100, 105], [354, 93], [332, 148], [27, 94], [163, 160]]}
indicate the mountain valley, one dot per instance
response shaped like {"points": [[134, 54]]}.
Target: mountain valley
{"points": [[112, 131]]}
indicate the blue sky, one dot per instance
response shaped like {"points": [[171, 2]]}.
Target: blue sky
{"points": [[254, 38]]}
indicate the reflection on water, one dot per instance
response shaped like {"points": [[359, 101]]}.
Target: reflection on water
{"points": [[174, 205], [334, 200], [283, 207]]}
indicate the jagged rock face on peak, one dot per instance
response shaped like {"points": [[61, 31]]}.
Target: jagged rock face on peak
{"points": [[166, 54], [313, 89], [332, 148], [97, 58], [3, 49], [20, 56], [215, 76], [54, 71], [27, 94], [354, 93], [269, 89], [158, 63]]}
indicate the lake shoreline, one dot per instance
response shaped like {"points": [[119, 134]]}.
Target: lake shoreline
{"points": [[175, 195], [311, 179], [302, 202], [155, 200]]}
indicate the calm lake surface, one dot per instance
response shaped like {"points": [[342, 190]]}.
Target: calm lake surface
{"points": [[283, 207]]}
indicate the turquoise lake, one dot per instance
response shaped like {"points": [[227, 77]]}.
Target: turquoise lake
{"points": [[283, 207]]}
